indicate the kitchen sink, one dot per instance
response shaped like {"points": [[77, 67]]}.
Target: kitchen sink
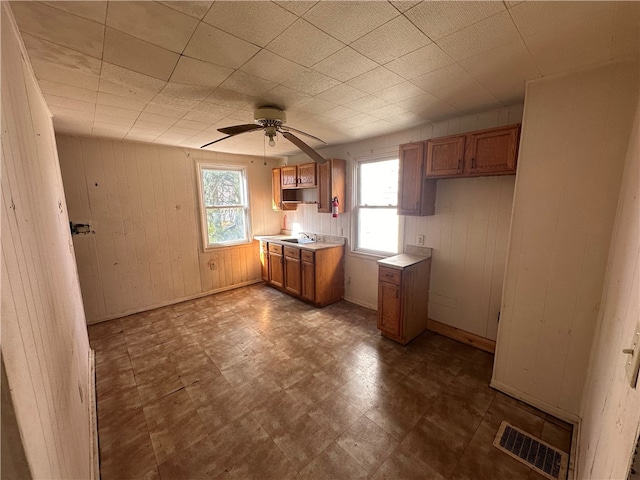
{"points": [[298, 240]]}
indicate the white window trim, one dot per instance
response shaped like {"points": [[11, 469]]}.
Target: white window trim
{"points": [[368, 157], [202, 209]]}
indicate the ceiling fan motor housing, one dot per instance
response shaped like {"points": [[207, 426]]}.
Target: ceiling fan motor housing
{"points": [[269, 116]]}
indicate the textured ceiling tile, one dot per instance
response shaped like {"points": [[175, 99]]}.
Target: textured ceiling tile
{"points": [[392, 40], [152, 22], [403, 6], [345, 64], [92, 10], [54, 101], [70, 114], [193, 9], [197, 127], [284, 97], [216, 46], [272, 67], [203, 117], [388, 111], [108, 121], [156, 120], [137, 55], [311, 82], [375, 80], [180, 103], [400, 92], [122, 102], [358, 120], [126, 83], [480, 37], [627, 30], [419, 62], [437, 19], [316, 106], [348, 21], [244, 83], [515, 65], [304, 44], [197, 72], [575, 45], [441, 79], [59, 27], [232, 99], [428, 106], [117, 112], [535, 17], [341, 94], [255, 22], [297, 7], [340, 113], [368, 103], [68, 91], [164, 110]]}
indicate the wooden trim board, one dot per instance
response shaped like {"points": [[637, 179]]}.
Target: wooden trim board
{"points": [[93, 417], [462, 336]]}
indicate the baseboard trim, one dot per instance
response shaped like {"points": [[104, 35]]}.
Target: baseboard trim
{"points": [[361, 303], [93, 417], [174, 301], [462, 336]]}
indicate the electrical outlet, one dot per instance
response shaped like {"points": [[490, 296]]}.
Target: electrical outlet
{"points": [[633, 360], [213, 265], [420, 240]]}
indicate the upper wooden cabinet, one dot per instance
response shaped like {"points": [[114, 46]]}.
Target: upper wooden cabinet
{"points": [[416, 196], [282, 199], [298, 176], [332, 178], [484, 152]]}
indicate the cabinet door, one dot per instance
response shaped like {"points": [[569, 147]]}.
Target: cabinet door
{"points": [[389, 312], [492, 152], [307, 175], [264, 261], [276, 190], [308, 285], [410, 178], [445, 157], [288, 177], [331, 180], [292, 275], [276, 269]]}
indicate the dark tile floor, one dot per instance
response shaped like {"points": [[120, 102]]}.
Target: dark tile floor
{"points": [[252, 383]]}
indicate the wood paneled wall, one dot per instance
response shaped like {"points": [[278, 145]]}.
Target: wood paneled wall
{"points": [[141, 201], [575, 134], [44, 338], [610, 407], [468, 233]]}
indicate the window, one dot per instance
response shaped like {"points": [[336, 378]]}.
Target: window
{"points": [[225, 206], [377, 209]]}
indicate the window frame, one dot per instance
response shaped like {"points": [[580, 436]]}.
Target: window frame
{"points": [[370, 157], [204, 227]]}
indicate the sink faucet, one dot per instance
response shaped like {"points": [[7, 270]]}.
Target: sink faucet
{"points": [[311, 236]]}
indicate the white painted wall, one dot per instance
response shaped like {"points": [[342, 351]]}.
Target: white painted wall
{"points": [[468, 233], [44, 338], [610, 407], [141, 200], [575, 134]]}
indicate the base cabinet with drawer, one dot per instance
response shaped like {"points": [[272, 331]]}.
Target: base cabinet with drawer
{"points": [[403, 289], [316, 276]]}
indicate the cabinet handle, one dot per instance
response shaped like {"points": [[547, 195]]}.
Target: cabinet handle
{"points": [[460, 164], [388, 275], [396, 293], [473, 163]]}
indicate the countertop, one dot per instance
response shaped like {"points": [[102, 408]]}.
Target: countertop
{"points": [[279, 239], [404, 260]]}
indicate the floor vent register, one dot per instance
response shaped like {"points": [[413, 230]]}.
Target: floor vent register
{"points": [[533, 452]]}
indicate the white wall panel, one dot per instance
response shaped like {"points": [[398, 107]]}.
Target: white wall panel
{"points": [[575, 133], [45, 348], [610, 407], [141, 200]]}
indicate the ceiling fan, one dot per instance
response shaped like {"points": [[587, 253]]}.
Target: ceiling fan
{"points": [[272, 120]]}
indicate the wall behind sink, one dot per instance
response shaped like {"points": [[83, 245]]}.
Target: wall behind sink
{"points": [[468, 233]]}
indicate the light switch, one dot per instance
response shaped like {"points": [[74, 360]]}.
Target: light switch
{"points": [[633, 358]]}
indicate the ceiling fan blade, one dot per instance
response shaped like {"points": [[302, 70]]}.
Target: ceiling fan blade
{"points": [[315, 156], [286, 129], [237, 129]]}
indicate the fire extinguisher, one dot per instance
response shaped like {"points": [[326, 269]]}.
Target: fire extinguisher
{"points": [[334, 207]]}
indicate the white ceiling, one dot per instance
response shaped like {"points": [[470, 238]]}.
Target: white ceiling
{"points": [[174, 72]]}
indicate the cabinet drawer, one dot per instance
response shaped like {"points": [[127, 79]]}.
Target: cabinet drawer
{"points": [[275, 248], [307, 256], [390, 275], [291, 252]]}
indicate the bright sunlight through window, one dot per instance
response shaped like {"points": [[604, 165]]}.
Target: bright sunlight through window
{"points": [[377, 210], [223, 192]]}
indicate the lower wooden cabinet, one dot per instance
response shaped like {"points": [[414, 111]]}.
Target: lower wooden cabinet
{"points": [[403, 293], [264, 260], [314, 276]]}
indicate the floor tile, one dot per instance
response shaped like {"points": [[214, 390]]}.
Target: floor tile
{"points": [[334, 463], [197, 461], [402, 464], [302, 440], [367, 443]]}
